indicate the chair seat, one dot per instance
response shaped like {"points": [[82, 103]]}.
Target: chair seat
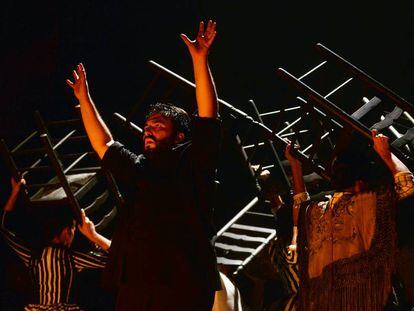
{"points": [[76, 182]]}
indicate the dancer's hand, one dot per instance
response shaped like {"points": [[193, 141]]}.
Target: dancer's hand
{"points": [[205, 37], [381, 145], [17, 185], [87, 228], [293, 244], [289, 156], [80, 83]]}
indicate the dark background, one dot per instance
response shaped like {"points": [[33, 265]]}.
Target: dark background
{"points": [[41, 42]]}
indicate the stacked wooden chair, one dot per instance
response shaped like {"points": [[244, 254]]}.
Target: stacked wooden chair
{"points": [[349, 101], [60, 168]]}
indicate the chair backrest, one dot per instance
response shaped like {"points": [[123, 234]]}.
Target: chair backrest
{"points": [[78, 169], [60, 167], [355, 105]]}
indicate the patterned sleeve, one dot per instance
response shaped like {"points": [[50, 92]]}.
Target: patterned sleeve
{"points": [[299, 198], [88, 261], [14, 243], [404, 184]]}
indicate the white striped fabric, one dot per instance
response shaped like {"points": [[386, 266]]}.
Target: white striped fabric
{"points": [[53, 272]]}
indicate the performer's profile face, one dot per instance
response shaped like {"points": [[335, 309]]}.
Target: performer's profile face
{"points": [[68, 234], [159, 133]]}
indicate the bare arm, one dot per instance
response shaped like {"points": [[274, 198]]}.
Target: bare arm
{"points": [[382, 147], [98, 133], [403, 178], [21, 250], [297, 172], [205, 89], [299, 191], [87, 228], [298, 183], [16, 186]]}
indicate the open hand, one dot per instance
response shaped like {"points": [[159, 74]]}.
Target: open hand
{"points": [[79, 84], [205, 37]]}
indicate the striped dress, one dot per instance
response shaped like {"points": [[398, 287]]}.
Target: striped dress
{"points": [[53, 273], [286, 263]]}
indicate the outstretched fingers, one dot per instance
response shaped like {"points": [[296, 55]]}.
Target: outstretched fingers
{"points": [[75, 75], [205, 37], [78, 75], [201, 29], [211, 28], [81, 71], [186, 40], [70, 83], [210, 38], [210, 32]]}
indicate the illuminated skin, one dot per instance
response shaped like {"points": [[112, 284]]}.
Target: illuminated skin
{"points": [[66, 236], [199, 48], [159, 133], [99, 134], [87, 228], [380, 145]]}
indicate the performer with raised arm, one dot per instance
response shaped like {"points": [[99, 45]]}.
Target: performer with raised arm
{"points": [[161, 256], [347, 244], [52, 264]]}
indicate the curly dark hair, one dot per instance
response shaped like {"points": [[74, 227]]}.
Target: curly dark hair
{"points": [[356, 160], [49, 222], [179, 117]]}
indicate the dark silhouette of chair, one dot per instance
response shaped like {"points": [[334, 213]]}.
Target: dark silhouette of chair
{"points": [[60, 167]]}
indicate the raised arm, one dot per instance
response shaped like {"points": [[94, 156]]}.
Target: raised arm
{"points": [[299, 190], [15, 244], [297, 172], [404, 183], [98, 133], [87, 228], [16, 186], [205, 90], [382, 147]]}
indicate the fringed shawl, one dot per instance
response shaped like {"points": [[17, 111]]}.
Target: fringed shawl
{"points": [[360, 282]]}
